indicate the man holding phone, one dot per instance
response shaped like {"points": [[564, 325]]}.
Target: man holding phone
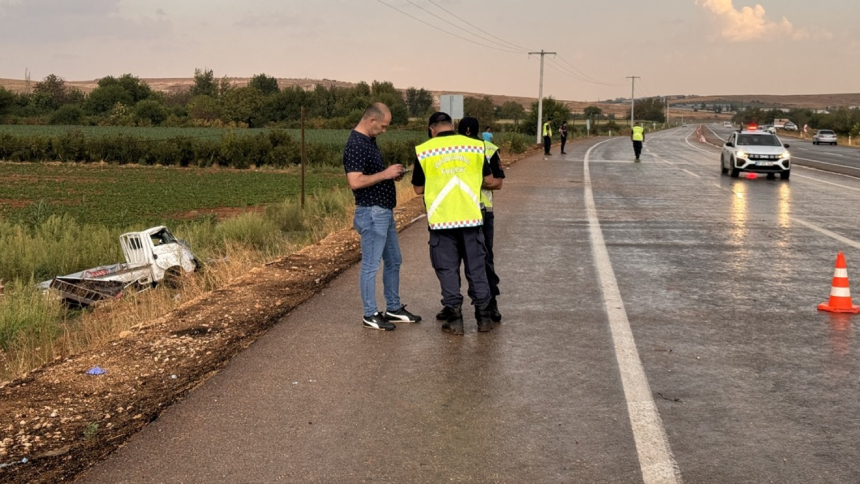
{"points": [[372, 185]]}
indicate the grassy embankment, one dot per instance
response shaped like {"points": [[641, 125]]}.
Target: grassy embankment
{"points": [[58, 218]]}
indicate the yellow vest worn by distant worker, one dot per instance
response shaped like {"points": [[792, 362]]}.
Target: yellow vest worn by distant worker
{"points": [[487, 195], [547, 129], [453, 169], [638, 133]]}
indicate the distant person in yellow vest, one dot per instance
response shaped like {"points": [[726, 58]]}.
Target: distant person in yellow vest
{"points": [[469, 127], [547, 136], [449, 172], [638, 137]]}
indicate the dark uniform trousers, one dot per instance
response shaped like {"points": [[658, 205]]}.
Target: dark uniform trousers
{"points": [[547, 144], [637, 148], [447, 248], [488, 228]]}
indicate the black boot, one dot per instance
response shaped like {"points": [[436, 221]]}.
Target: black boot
{"points": [[445, 313], [482, 314], [454, 321], [495, 315]]}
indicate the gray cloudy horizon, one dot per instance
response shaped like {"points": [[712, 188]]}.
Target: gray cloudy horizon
{"points": [[676, 46]]}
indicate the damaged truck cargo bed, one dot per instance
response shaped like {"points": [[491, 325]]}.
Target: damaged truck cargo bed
{"points": [[153, 256]]}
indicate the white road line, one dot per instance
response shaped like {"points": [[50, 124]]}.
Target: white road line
{"points": [[828, 233], [690, 172], [829, 183], [656, 461], [826, 163]]}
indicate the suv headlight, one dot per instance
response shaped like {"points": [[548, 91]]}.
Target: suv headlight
{"points": [[740, 154], [785, 155]]}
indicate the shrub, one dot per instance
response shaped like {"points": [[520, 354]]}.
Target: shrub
{"points": [[67, 114]]}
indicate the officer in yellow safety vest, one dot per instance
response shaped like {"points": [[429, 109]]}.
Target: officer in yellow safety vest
{"points": [[449, 172], [469, 127], [547, 136], [638, 138]]}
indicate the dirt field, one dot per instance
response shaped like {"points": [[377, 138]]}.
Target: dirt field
{"points": [[57, 421]]}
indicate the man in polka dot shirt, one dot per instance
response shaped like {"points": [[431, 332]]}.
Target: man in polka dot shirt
{"points": [[375, 198]]}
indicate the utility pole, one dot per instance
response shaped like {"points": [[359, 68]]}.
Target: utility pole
{"points": [[633, 98], [540, 93]]}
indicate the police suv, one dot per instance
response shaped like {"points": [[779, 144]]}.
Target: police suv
{"points": [[755, 151]]}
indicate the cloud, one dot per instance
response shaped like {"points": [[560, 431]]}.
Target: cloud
{"points": [[48, 22], [751, 23]]}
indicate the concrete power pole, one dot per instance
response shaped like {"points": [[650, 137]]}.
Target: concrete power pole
{"points": [[540, 94], [633, 99]]}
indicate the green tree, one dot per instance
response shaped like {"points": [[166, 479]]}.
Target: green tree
{"points": [[649, 109], [51, 92], [103, 99], [287, 104], [136, 89], [557, 110], [204, 108], [150, 111], [7, 100], [418, 101], [244, 105], [265, 84], [592, 113], [204, 83], [481, 108], [512, 110], [67, 114]]}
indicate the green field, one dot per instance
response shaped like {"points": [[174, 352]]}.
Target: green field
{"points": [[137, 196], [318, 136]]}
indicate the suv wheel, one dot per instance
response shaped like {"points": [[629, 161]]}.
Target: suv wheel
{"points": [[784, 175], [723, 168], [734, 172]]}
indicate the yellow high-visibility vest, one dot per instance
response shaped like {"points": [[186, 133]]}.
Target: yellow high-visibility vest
{"points": [[453, 169], [638, 133], [547, 129], [487, 195]]}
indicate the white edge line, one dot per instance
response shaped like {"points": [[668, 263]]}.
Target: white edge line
{"points": [[826, 163], [690, 172], [656, 461], [828, 233]]}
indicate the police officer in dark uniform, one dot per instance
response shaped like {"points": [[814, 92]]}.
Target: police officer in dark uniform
{"points": [[449, 172]]}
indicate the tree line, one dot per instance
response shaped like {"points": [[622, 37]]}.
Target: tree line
{"points": [[844, 121]]}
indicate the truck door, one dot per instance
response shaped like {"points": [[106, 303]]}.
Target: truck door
{"points": [[135, 252]]}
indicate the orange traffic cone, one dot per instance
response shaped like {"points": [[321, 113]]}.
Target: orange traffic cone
{"points": [[840, 293]]}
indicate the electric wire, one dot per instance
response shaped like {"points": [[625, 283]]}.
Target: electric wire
{"points": [[461, 28], [447, 32], [476, 27]]}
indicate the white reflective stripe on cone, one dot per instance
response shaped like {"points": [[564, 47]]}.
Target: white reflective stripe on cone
{"points": [[840, 292], [841, 273]]}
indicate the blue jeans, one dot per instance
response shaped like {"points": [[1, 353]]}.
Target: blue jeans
{"points": [[378, 232]]}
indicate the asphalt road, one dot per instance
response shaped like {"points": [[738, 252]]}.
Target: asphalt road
{"points": [[839, 159], [660, 325]]}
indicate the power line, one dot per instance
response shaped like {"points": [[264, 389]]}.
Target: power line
{"points": [[445, 31], [458, 27], [476, 27], [564, 70]]}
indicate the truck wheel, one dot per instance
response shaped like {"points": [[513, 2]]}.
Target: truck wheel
{"points": [[172, 278]]}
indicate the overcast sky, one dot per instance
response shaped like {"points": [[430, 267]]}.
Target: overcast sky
{"points": [[676, 46]]}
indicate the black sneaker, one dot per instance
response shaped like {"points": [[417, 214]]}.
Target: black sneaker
{"points": [[377, 321], [402, 316]]}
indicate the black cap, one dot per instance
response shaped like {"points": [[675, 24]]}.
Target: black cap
{"points": [[470, 124], [439, 117]]}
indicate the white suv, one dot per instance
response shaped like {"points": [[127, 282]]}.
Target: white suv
{"points": [[755, 151]]}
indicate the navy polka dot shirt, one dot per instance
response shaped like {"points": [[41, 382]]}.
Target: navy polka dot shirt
{"points": [[362, 155]]}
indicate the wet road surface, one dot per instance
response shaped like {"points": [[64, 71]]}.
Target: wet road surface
{"points": [[627, 287]]}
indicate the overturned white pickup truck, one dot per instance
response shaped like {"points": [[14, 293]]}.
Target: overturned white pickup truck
{"points": [[151, 257]]}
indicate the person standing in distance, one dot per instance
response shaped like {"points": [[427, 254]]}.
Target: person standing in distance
{"points": [[488, 134], [547, 136], [449, 172], [638, 138], [372, 185], [469, 127], [563, 133]]}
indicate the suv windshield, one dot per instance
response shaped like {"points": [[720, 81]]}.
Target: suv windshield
{"points": [[757, 140]]}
